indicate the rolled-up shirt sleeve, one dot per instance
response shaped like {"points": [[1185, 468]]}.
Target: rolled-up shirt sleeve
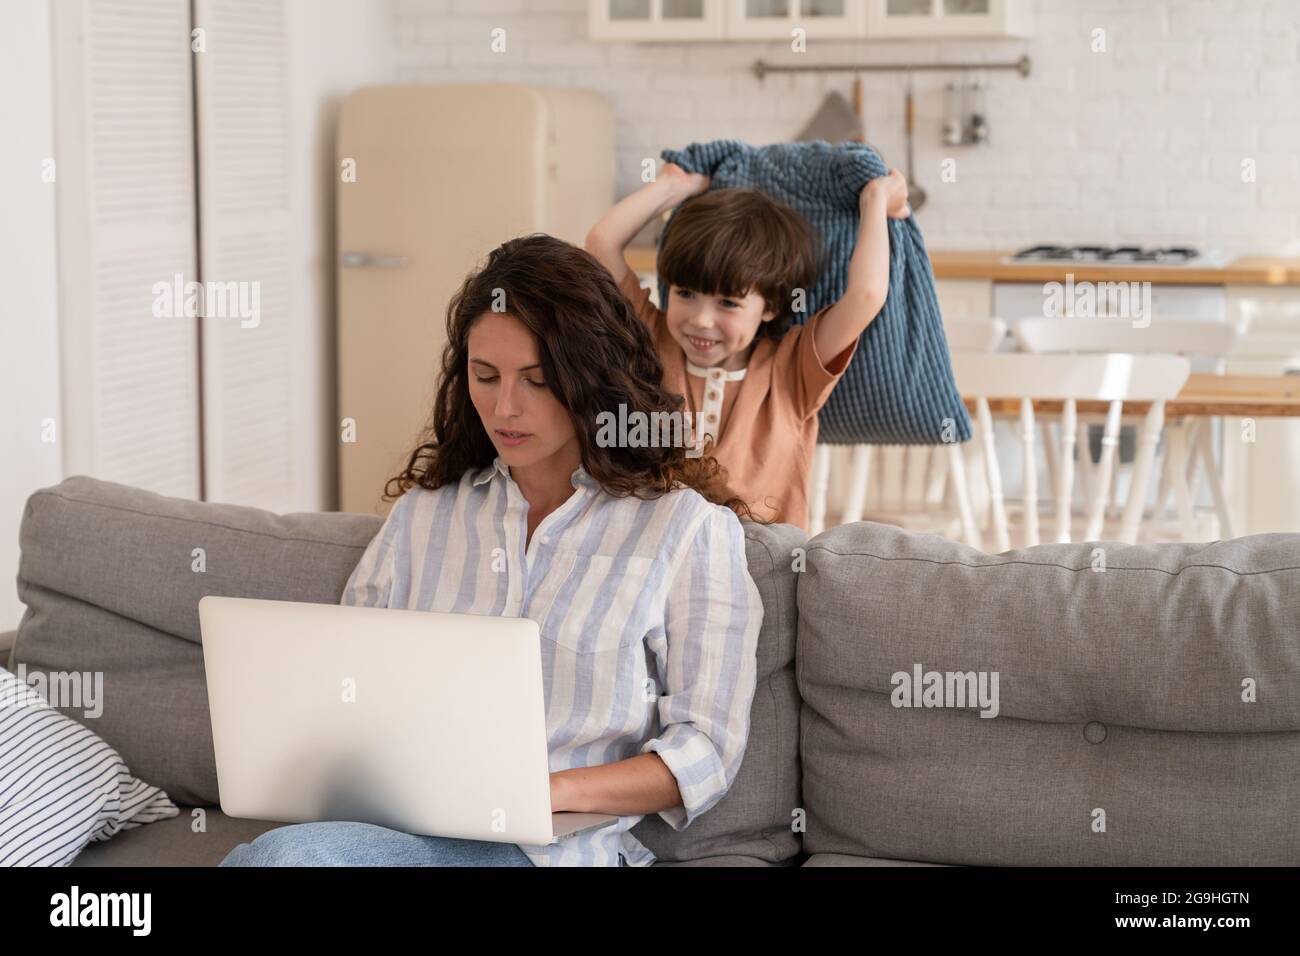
{"points": [[811, 376], [371, 582], [707, 679]]}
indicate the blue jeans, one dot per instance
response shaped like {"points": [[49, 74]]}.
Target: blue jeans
{"points": [[365, 844]]}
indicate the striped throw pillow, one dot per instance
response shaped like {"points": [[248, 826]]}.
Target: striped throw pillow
{"points": [[61, 786]]}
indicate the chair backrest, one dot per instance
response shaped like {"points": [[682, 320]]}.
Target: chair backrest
{"points": [[1108, 377], [1113, 378], [1190, 337], [974, 335], [911, 479]]}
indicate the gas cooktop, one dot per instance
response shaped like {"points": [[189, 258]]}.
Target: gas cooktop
{"points": [[1113, 255]]}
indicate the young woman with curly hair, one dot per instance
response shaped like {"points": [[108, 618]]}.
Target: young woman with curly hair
{"points": [[629, 555]]}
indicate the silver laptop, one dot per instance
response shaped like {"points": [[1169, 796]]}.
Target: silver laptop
{"points": [[422, 722]]}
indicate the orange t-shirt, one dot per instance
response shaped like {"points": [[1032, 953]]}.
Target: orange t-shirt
{"points": [[766, 415]]}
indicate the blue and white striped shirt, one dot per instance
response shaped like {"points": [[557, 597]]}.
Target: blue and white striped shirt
{"points": [[648, 617]]}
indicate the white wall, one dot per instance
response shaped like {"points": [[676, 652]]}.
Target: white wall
{"points": [[271, 442], [29, 342], [1142, 143], [334, 47]]}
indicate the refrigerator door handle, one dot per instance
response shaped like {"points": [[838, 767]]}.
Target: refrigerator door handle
{"points": [[362, 260]]}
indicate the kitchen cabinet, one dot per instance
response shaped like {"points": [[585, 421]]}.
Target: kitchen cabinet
{"points": [[947, 18], [655, 19], [775, 19], [739, 20]]}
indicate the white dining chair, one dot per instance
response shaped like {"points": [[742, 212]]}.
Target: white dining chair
{"points": [[1189, 452], [1113, 378], [919, 487]]}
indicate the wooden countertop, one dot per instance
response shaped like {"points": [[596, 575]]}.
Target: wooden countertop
{"points": [[640, 258], [1248, 396], [1244, 270]]}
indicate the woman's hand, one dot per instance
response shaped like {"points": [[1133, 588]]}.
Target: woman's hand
{"points": [[559, 792], [684, 185], [892, 189]]}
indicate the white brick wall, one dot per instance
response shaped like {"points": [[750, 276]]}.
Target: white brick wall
{"points": [[1143, 143]]}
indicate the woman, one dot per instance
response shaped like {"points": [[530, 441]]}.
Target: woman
{"points": [[629, 555]]}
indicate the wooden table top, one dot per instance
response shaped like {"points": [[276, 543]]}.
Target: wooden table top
{"points": [[1205, 394]]}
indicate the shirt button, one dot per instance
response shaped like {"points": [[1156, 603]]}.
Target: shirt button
{"points": [[713, 418], [713, 395], [717, 373]]}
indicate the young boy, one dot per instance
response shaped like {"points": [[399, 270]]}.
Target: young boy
{"points": [[737, 265]]}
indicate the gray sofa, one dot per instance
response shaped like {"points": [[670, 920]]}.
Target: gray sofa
{"points": [[1147, 698]]}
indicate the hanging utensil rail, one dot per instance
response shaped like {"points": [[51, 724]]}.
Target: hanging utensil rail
{"points": [[762, 68]]}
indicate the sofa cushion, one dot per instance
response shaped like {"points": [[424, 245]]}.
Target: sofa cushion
{"points": [[203, 837], [754, 817], [840, 859], [729, 860], [198, 837], [1125, 731], [112, 582]]}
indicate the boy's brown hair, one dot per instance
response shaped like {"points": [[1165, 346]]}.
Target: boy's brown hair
{"points": [[735, 241]]}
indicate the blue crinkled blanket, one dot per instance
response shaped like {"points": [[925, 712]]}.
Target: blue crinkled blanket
{"points": [[899, 388]]}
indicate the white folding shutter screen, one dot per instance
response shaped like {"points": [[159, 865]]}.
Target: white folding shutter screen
{"points": [[242, 96], [126, 221]]}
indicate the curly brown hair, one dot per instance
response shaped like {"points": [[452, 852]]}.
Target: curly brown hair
{"points": [[595, 354], [733, 241]]}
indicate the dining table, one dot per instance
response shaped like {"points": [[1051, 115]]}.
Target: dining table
{"points": [[1205, 395]]}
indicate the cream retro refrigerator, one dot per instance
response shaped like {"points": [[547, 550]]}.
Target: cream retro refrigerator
{"points": [[430, 178]]}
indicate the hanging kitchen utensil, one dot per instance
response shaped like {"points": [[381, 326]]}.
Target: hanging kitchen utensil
{"points": [[979, 125], [915, 194], [967, 127], [859, 107], [835, 121], [952, 119]]}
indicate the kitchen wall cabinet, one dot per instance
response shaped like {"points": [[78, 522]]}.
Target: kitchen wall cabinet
{"points": [[775, 19], [655, 19], [739, 20], [947, 18]]}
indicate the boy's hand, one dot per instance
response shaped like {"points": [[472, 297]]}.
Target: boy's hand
{"points": [[609, 237], [684, 185], [880, 200], [892, 189]]}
